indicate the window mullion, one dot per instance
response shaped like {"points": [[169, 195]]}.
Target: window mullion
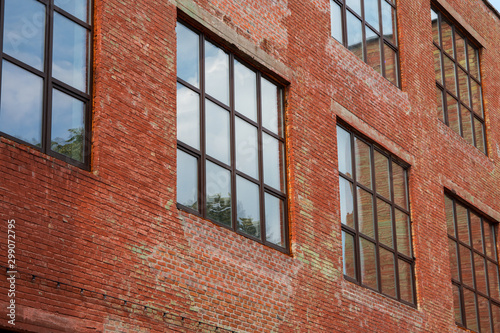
{"points": [[48, 86], [232, 145], [202, 163]]}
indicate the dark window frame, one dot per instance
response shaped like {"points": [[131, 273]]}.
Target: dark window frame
{"points": [[377, 30], [50, 83], [201, 155], [460, 284], [442, 86], [357, 234]]}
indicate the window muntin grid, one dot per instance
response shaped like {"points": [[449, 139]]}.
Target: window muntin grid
{"points": [[458, 81], [230, 141], [474, 267], [368, 28], [375, 218]]}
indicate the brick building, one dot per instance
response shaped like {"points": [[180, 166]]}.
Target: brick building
{"points": [[250, 166]]}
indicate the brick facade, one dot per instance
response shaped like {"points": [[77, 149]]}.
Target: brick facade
{"points": [[107, 250]]}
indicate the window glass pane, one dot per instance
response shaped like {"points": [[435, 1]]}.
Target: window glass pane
{"points": [[382, 177], [489, 240], [275, 220], [24, 31], [271, 118], [462, 223], [188, 45], [400, 190], [217, 132], [447, 35], [245, 91], [365, 213], [480, 269], [452, 246], [355, 5], [346, 202], [336, 21], [391, 65], [21, 105], [384, 217], [371, 14], [344, 151], [439, 96], [435, 27], [452, 108], [349, 263], [248, 209], [387, 273], [389, 22], [473, 61], [437, 65], [272, 151], [466, 266], [450, 75], [477, 104], [494, 281], [188, 116], [68, 125], [217, 72], [484, 314], [77, 8], [456, 304], [218, 194], [477, 237], [450, 222], [187, 180], [403, 232], [246, 148], [70, 52], [354, 35], [363, 163], [470, 310], [479, 133], [405, 281], [461, 55], [463, 87], [467, 125], [368, 263], [373, 50]]}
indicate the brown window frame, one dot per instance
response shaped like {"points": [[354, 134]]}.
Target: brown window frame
{"points": [[458, 282], [384, 41], [375, 195], [203, 157], [443, 90], [50, 83]]}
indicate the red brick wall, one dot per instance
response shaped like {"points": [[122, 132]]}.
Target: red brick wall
{"points": [[116, 231]]}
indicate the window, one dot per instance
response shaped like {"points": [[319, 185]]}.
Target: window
{"points": [[230, 141], [458, 81], [474, 267], [45, 70], [368, 28], [375, 217]]}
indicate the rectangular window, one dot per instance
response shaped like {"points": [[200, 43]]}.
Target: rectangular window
{"points": [[474, 267], [230, 141], [45, 70], [375, 217], [368, 28], [458, 81]]}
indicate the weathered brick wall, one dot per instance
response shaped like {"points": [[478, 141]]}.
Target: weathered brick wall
{"points": [[108, 250]]}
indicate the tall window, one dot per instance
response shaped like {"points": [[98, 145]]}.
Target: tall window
{"points": [[45, 69], [458, 81], [230, 140], [375, 216], [474, 268], [368, 28]]}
